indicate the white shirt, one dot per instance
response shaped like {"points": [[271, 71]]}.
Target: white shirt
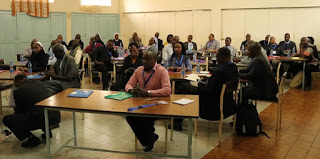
{"points": [[190, 45], [167, 53]]}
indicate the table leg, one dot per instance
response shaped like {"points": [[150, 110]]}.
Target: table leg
{"points": [[303, 75], [46, 120], [173, 86], [74, 129], [189, 138], [0, 103], [240, 91]]}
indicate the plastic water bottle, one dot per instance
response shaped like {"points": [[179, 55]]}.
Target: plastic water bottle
{"points": [[198, 68], [194, 59], [201, 47], [30, 68], [271, 53], [288, 54], [242, 48], [293, 50], [11, 69], [183, 71]]}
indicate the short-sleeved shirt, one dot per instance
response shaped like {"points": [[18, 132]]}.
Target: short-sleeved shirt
{"points": [[215, 45]]}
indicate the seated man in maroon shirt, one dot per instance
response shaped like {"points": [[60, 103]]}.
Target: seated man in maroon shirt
{"points": [[153, 80]]}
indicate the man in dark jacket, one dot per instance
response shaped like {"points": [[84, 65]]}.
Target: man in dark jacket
{"points": [[209, 92], [27, 117], [102, 57], [264, 85]]}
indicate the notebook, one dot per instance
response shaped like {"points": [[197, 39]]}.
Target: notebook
{"points": [[80, 94], [119, 96], [183, 101]]}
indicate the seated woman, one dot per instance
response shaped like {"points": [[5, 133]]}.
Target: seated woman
{"points": [[178, 58], [38, 58], [130, 64], [209, 91]]}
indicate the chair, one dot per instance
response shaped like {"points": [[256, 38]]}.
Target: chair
{"points": [[166, 135], [279, 102], [92, 70], [229, 87], [82, 71], [4, 86]]}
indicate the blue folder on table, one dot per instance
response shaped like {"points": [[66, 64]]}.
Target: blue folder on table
{"points": [[80, 93]]}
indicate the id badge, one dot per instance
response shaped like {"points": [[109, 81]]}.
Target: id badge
{"points": [[274, 52]]}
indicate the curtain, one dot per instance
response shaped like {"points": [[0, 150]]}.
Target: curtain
{"points": [[36, 8]]}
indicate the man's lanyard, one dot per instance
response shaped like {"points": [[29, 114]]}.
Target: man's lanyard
{"points": [[179, 64], [110, 53], [273, 47], [141, 106], [211, 42], [285, 45], [144, 80]]}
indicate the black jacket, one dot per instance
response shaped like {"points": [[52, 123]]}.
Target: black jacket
{"points": [[160, 44], [276, 48], [101, 54], [70, 44], [27, 95], [289, 46], [39, 61], [118, 43], [209, 93], [264, 44], [128, 63], [261, 76]]}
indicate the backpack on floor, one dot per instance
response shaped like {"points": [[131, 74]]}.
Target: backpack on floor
{"points": [[248, 121]]}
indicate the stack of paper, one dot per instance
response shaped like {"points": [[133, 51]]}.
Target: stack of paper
{"points": [[183, 101]]}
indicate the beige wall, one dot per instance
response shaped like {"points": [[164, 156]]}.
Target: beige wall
{"points": [[129, 7], [69, 6]]}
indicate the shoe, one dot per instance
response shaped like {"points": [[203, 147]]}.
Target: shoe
{"points": [[43, 136], [150, 146], [31, 142], [176, 127]]}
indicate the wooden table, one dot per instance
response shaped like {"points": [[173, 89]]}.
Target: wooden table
{"points": [[242, 65], [176, 76], [291, 59], [7, 76], [96, 103]]}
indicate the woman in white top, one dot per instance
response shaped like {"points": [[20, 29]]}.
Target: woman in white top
{"points": [[167, 50]]}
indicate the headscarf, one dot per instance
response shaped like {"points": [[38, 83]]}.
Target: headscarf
{"points": [[155, 42], [40, 44]]}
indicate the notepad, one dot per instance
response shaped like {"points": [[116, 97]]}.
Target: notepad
{"points": [[183, 101], [119, 96], [80, 94], [192, 77], [34, 76]]}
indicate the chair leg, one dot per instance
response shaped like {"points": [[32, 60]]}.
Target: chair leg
{"points": [[135, 143], [171, 136], [255, 103], [209, 123], [166, 138], [220, 131], [234, 123], [0, 103], [195, 127]]}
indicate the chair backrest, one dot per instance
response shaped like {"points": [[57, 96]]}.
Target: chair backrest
{"points": [[231, 86], [278, 72], [283, 78], [227, 88]]}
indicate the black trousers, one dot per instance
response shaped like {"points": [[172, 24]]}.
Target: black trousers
{"points": [[143, 128], [308, 69], [105, 75], [21, 125], [184, 88], [120, 83]]}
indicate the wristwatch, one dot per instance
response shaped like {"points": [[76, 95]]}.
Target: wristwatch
{"points": [[149, 93]]}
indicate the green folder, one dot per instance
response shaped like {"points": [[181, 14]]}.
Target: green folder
{"points": [[119, 96]]}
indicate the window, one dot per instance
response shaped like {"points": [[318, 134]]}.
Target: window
{"points": [[96, 2], [51, 1]]}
